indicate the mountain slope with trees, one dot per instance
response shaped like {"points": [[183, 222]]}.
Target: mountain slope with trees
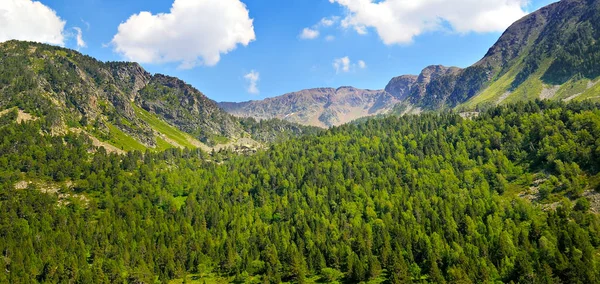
{"points": [[434, 198], [71, 90], [552, 53]]}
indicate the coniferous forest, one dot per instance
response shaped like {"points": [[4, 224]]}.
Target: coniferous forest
{"points": [[501, 197]]}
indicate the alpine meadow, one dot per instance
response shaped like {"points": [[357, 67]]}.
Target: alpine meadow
{"points": [[113, 172]]}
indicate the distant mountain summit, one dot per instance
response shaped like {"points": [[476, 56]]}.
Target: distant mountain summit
{"points": [[323, 107], [553, 53]]}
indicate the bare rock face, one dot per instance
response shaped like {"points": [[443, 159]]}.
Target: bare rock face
{"points": [[400, 86], [434, 72], [131, 75], [321, 107], [182, 105], [414, 88]]}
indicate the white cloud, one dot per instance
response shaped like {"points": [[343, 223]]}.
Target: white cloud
{"points": [[194, 32], [87, 24], [314, 31], [341, 65], [399, 21], [362, 64], [79, 36], [252, 78], [360, 29], [330, 38], [30, 20], [328, 22], [308, 33], [345, 65]]}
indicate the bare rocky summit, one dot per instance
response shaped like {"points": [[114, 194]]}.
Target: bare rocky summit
{"points": [[322, 107]]}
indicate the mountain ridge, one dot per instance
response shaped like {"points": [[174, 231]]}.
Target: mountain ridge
{"points": [[551, 53], [322, 107], [121, 101]]}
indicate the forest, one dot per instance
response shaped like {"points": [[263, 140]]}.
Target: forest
{"points": [[433, 198]]}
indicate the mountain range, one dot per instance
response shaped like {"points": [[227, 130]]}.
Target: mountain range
{"points": [[552, 53], [119, 104], [323, 107], [111, 174]]}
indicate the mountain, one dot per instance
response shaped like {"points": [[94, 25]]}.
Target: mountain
{"points": [[323, 107], [120, 103], [414, 89], [552, 53], [326, 107]]}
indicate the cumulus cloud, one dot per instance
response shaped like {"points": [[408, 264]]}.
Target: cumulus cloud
{"points": [[194, 32], [308, 33], [79, 36], [341, 65], [252, 79], [399, 21], [362, 64], [345, 65], [328, 22], [314, 31], [30, 20]]}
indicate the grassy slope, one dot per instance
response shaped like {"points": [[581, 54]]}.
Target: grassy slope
{"points": [[592, 93], [162, 145], [570, 88], [495, 90], [123, 141], [179, 137], [528, 90]]}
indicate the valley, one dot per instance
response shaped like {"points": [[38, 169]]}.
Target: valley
{"points": [[485, 174]]}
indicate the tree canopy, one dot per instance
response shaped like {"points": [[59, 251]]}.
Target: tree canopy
{"points": [[429, 198]]}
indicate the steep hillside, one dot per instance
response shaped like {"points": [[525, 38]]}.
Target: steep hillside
{"points": [[322, 107], [417, 89], [117, 102], [552, 53], [511, 196]]}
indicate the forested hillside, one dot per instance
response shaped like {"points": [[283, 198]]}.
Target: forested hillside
{"points": [[120, 103], [430, 198]]}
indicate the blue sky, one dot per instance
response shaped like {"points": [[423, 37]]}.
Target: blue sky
{"points": [[282, 60]]}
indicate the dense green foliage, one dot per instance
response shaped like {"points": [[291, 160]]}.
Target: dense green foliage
{"points": [[430, 198]]}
